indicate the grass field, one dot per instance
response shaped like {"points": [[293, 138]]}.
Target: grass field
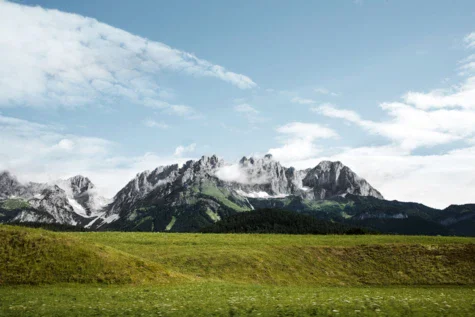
{"points": [[221, 299], [160, 274]]}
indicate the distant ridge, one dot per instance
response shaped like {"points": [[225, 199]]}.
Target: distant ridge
{"points": [[189, 197]]}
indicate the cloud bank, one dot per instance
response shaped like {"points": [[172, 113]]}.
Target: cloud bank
{"points": [[49, 58], [44, 153]]}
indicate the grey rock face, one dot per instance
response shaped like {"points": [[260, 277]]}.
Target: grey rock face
{"points": [[55, 202], [81, 190], [330, 179], [255, 178], [140, 186], [197, 185], [65, 201], [326, 180], [9, 185]]}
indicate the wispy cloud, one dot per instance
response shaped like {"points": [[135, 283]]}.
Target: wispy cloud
{"points": [[249, 112], [298, 140], [246, 109], [303, 101], [423, 119], [154, 124], [419, 119], [51, 58], [324, 91], [179, 110], [181, 149], [410, 127]]}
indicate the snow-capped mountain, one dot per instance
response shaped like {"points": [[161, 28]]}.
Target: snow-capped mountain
{"points": [[70, 201], [83, 196]]}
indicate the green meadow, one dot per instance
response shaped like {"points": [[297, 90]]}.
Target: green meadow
{"points": [[46, 273]]}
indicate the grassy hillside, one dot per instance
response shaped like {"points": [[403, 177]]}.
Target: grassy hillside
{"points": [[38, 256], [166, 274], [35, 256], [274, 259]]}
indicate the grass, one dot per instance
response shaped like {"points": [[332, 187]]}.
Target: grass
{"points": [[213, 191], [165, 274], [34, 256], [221, 299], [170, 225], [303, 260]]}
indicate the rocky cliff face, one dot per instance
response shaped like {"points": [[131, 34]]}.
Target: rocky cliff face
{"points": [[70, 201], [267, 178], [53, 200], [330, 179], [209, 186], [141, 186], [189, 197], [182, 197], [83, 196], [9, 185]]}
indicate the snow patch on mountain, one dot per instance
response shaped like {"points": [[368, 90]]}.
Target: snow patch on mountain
{"points": [[260, 194]]}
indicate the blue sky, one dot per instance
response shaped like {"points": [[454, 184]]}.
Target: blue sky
{"points": [[122, 86]]}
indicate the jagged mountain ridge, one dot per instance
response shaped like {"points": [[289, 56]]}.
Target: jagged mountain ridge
{"points": [[72, 201], [263, 177], [198, 193]]}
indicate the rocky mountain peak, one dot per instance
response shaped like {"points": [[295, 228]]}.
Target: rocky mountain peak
{"points": [[53, 191], [210, 162], [80, 184], [142, 185], [329, 179], [9, 185], [328, 165]]}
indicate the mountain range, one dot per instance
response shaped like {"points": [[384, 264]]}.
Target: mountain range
{"points": [[199, 193]]}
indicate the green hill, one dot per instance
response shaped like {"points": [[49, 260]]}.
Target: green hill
{"points": [[35, 256], [182, 274]]}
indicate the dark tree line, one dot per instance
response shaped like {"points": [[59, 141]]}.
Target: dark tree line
{"points": [[280, 221]]}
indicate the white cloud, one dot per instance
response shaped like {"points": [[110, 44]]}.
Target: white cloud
{"points": [[44, 153], [51, 58], [251, 114], [310, 131], [331, 111], [66, 144], [470, 40], [241, 174], [245, 108], [462, 96], [180, 150], [154, 124], [324, 91], [410, 127], [302, 101], [298, 141], [457, 96], [179, 110]]}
